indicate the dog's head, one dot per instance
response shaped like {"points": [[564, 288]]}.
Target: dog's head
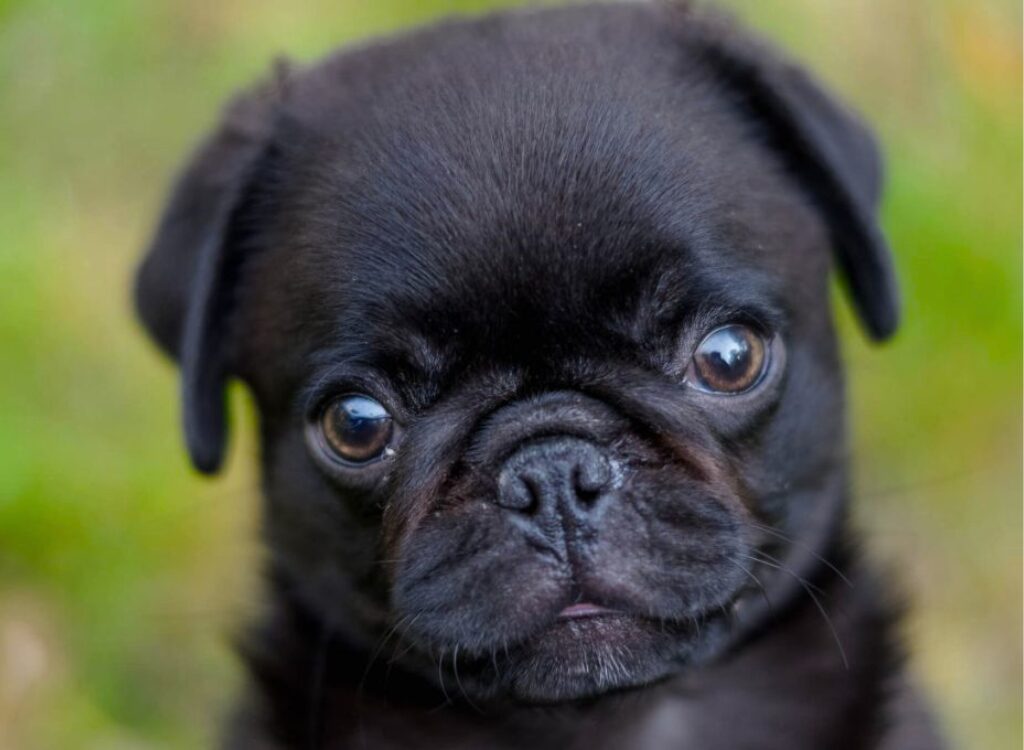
{"points": [[535, 311]]}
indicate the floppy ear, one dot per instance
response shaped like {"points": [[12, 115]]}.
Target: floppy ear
{"points": [[184, 284], [828, 150]]}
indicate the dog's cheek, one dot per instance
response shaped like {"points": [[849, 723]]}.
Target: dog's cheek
{"points": [[467, 577], [670, 547], [794, 463], [325, 550], [806, 432]]}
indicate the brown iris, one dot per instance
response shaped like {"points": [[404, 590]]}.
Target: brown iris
{"points": [[730, 359], [357, 429]]}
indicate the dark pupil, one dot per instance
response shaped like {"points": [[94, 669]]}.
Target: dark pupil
{"points": [[728, 355], [358, 427]]}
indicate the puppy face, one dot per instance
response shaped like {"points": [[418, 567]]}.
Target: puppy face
{"points": [[540, 339]]}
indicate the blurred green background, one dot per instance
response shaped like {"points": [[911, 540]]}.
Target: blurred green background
{"points": [[123, 575]]}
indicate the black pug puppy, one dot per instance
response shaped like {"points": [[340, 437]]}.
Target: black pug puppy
{"points": [[535, 311]]}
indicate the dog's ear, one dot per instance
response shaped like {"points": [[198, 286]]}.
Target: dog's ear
{"points": [[184, 285], [827, 148]]}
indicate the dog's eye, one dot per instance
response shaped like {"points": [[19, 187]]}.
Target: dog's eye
{"points": [[357, 429], [729, 360]]}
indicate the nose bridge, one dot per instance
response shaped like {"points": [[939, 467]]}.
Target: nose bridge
{"points": [[529, 421]]}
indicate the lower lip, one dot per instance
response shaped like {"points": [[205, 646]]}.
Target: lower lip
{"points": [[579, 611]]}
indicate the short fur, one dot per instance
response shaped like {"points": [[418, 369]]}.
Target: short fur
{"points": [[512, 232]]}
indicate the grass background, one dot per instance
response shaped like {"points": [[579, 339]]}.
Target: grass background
{"points": [[122, 574]]}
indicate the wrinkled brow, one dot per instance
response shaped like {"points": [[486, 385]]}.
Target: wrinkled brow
{"points": [[399, 359], [680, 297]]}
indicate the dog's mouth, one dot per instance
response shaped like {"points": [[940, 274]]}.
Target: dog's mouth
{"points": [[590, 649], [561, 640], [583, 610], [585, 647]]}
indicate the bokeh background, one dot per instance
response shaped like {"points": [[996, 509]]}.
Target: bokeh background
{"points": [[123, 575]]}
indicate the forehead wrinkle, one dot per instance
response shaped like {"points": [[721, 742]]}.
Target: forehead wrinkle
{"points": [[680, 297], [400, 351], [515, 252], [420, 199]]}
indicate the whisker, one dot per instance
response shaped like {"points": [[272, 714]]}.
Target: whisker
{"points": [[410, 645], [378, 649], [828, 621], [757, 581], [440, 677], [458, 682], [809, 588], [776, 564], [784, 537]]}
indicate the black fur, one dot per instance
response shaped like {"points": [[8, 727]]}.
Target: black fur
{"points": [[512, 232]]}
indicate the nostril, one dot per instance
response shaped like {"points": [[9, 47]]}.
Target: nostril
{"points": [[591, 476], [518, 492], [587, 495], [534, 493]]}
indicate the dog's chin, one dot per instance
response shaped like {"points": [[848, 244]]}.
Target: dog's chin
{"points": [[582, 657]]}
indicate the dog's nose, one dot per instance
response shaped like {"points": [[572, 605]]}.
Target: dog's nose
{"points": [[566, 470]]}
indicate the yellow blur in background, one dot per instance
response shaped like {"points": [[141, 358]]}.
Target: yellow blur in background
{"points": [[123, 575]]}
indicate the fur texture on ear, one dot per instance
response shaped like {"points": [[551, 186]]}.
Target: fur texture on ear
{"points": [[829, 151], [183, 286]]}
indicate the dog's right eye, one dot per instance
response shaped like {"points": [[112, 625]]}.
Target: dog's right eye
{"points": [[356, 429]]}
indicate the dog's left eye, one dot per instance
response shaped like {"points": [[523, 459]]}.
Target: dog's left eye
{"points": [[355, 428], [729, 360]]}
